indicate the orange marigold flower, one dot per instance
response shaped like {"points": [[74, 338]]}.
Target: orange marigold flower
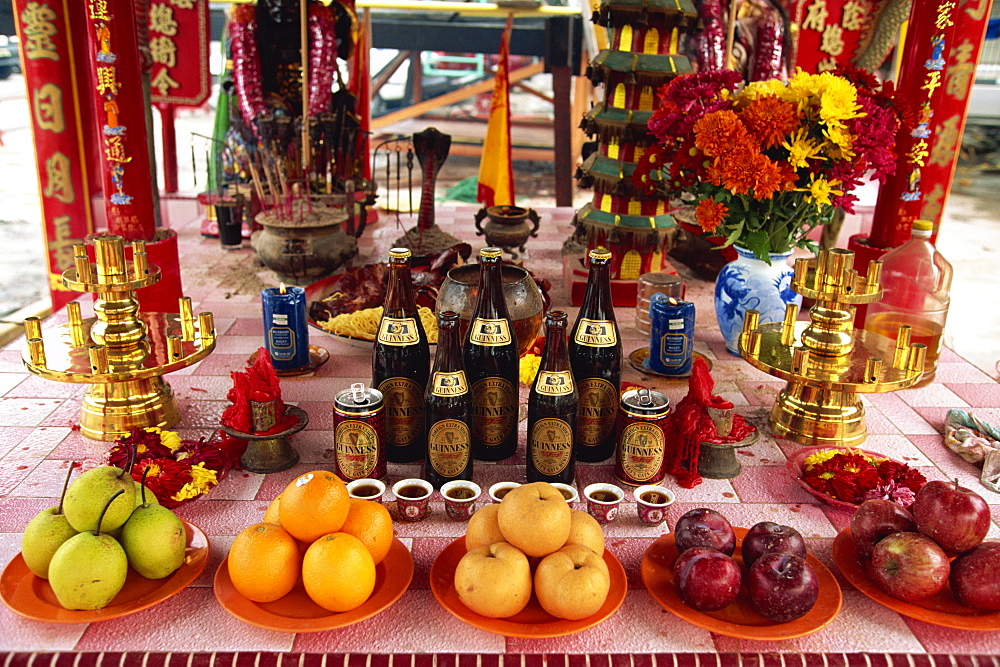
{"points": [[770, 179], [710, 214], [719, 133], [738, 174], [770, 120]]}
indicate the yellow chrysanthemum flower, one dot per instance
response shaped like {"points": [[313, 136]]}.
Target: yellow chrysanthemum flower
{"points": [[168, 439], [800, 149], [820, 189], [759, 89], [202, 481], [528, 368], [819, 457]]}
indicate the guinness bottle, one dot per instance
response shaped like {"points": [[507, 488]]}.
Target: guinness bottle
{"points": [[595, 352], [491, 365], [400, 362], [552, 407], [448, 411]]}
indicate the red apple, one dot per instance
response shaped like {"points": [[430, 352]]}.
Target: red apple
{"points": [[708, 580], [909, 566], [769, 537], [704, 527], [953, 516], [875, 519], [782, 586], [975, 577]]}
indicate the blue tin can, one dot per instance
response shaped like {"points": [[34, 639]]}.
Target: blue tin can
{"points": [[671, 336], [286, 333]]}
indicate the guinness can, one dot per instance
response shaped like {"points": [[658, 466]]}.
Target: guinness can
{"points": [[642, 417], [359, 433]]}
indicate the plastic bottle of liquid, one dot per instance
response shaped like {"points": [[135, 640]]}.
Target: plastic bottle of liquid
{"points": [[916, 281]]}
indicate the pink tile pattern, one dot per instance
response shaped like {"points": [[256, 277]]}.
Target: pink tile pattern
{"points": [[37, 441]]}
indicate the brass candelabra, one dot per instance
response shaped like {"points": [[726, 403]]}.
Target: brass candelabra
{"points": [[121, 353], [825, 361]]}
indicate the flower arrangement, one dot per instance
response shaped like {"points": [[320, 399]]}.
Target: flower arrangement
{"points": [[854, 477], [763, 165], [179, 470]]}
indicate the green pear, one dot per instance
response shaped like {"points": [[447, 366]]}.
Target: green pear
{"points": [[154, 540], [89, 569], [89, 494], [45, 533]]}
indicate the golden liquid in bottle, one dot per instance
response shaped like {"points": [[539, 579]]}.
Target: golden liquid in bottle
{"points": [[921, 331]]}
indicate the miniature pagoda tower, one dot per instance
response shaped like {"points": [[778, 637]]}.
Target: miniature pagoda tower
{"points": [[644, 52]]}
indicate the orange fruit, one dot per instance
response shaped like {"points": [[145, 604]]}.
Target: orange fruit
{"points": [[370, 522], [271, 514], [264, 562], [338, 572], [313, 504]]}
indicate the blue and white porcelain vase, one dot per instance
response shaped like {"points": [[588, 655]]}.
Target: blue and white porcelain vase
{"points": [[748, 283]]}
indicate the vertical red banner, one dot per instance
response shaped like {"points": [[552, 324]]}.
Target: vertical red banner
{"points": [[930, 40], [118, 99], [829, 31], [47, 52], [949, 119]]}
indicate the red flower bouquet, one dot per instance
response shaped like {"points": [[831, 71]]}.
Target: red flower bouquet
{"points": [[852, 476], [179, 470]]}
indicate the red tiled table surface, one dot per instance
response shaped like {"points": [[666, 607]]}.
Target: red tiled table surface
{"points": [[37, 441]]}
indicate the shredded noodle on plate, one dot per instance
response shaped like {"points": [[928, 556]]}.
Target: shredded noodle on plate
{"points": [[363, 324]]}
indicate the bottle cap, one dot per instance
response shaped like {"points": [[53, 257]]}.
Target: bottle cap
{"points": [[600, 252], [399, 253], [490, 252], [923, 225]]}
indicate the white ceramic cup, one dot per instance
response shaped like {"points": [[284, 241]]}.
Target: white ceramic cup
{"points": [[651, 502], [412, 505], [460, 499], [366, 489], [569, 492], [500, 489], [604, 509]]}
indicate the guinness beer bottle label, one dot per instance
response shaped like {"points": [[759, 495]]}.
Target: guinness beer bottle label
{"points": [[449, 446], [404, 410], [356, 445], [641, 451], [490, 333], [595, 333], [398, 331], [550, 444], [597, 411], [449, 384], [494, 410], [554, 383]]}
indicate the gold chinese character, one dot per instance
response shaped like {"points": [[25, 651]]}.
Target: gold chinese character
{"points": [[163, 83], [945, 142], [979, 11], [826, 65], [183, 4], [99, 10], [161, 20], [816, 16], [932, 83], [943, 19], [163, 51], [918, 154], [59, 184], [38, 30], [854, 17], [61, 246], [832, 41], [47, 105], [959, 76], [107, 81], [114, 149]]}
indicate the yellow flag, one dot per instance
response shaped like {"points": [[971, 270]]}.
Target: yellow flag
{"points": [[496, 176]]}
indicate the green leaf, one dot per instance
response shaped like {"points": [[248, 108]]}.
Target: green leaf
{"points": [[756, 241]]}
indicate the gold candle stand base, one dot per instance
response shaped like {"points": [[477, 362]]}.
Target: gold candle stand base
{"points": [[825, 361], [110, 411], [272, 452]]}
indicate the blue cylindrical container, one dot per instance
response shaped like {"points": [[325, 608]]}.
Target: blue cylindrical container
{"points": [[286, 333], [671, 335]]}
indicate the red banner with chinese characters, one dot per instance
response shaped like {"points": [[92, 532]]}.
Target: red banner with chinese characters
{"points": [[930, 40], [949, 118], [178, 45], [47, 52], [829, 31]]}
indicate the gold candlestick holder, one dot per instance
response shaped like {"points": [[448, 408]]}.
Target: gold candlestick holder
{"points": [[121, 353], [825, 361]]}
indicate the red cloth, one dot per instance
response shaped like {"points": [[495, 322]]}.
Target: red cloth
{"points": [[690, 425], [258, 383]]}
